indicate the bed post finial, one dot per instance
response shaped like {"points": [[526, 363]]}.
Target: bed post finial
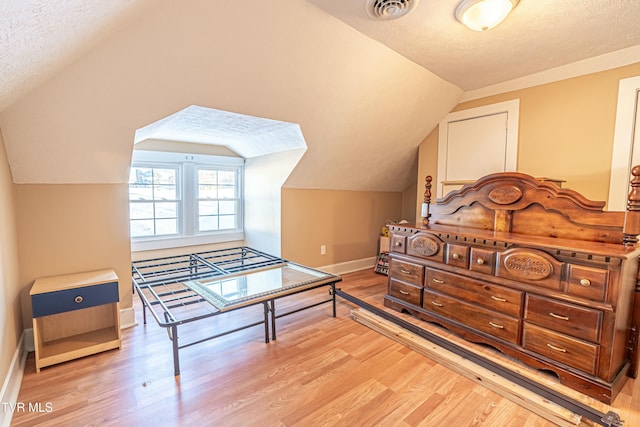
{"points": [[427, 200], [631, 228]]}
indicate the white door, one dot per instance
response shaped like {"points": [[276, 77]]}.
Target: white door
{"points": [[476, 142], [626, 143]]}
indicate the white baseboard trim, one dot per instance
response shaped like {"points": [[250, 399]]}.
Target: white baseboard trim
{"points": [[12, 383], [127, 318], [350, 266]]}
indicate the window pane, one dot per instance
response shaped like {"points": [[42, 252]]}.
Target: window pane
{"points": [[140, 210], [227, 208], [225, 192], [206, 191], [208, 223], [206, 176], [167, 210], [207, 208], [166, 226], [141, 228], [227, 222], [227, 178]]}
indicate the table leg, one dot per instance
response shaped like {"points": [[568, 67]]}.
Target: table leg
{"points": [[273, 319], [266, 321], [174, 340], [333, 297]]}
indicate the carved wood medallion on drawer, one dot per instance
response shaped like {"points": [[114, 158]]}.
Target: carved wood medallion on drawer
{"points": [[407, 272], [531, 266], [563, 348], [425, 245], [588, 282], [494, 297], [571, 319], [406, 292], [492, 323], [458, 255]]}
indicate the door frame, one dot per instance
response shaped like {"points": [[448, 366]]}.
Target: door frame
{"points": [[622, 158]]}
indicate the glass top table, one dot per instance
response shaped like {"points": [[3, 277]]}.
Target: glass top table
{"points": [[229, 293]]}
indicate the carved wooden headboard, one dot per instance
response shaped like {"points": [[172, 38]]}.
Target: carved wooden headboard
{"points": [[519, 203]]}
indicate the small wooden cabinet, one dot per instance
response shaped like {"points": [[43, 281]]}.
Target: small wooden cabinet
{"points": [[74, 316]]}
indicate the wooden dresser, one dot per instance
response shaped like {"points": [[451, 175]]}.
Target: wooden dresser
{"points": [[539, 272]]}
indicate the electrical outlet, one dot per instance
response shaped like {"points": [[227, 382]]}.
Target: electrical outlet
{"points": [[323, 249]]}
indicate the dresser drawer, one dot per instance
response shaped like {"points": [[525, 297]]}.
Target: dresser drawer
{"points": [[530, 266], [398, 243], [493, 297], [587, 282], [425, 245], [62, 301], [482, 261], [489, 322], [406, 271], [406, 292], [458, 255], [580, 322], [562, 348]]}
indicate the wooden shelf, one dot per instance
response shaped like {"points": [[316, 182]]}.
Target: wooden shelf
{"points": [[81, 345]]}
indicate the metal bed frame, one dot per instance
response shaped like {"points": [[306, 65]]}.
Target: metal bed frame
{"points": [[163, 285]]}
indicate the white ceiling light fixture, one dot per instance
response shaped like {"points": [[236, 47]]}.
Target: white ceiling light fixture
{"points": [[389, 9], [483, 15]]}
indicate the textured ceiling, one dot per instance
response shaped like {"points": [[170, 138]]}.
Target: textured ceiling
{"points": [[247, 136], [39, 38], [537, 35]]}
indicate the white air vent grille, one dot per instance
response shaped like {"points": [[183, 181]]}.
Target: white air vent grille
{"points": [[390, 9]]}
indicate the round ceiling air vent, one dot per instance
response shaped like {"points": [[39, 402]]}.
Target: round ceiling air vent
{"points": [[389, 9]]}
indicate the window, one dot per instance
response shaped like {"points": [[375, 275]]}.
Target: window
{"points": [[184, 199]]}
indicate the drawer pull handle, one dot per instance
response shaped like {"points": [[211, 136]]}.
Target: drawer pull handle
{"points": [[495, 325], [495, 298], [398, 243], [402, 270], [455, 256], [585, 282], [437, 281], [480, 261], [78, 299], [558, 316], [437, 304], [403, 292], [553, 347]]}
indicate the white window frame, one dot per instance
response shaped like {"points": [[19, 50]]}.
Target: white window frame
{"points": [[188, 165]]}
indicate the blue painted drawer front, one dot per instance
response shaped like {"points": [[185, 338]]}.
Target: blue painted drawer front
{"points": [[63, 301]]}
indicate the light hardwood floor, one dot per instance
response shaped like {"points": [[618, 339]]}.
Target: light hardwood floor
{"points": [[321, 371]]}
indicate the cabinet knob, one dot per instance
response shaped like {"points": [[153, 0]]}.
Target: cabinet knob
{"points": [[398, 243], [480, 261], [585, 282], [78, 299], [455, 256]]}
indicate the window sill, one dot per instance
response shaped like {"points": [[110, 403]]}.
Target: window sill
{"points": [[138, 245]]}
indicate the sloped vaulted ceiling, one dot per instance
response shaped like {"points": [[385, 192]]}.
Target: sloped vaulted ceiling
{"points": [[363, 109]]}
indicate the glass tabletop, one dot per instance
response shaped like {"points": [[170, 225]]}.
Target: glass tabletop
{"points": [[231, 292]]}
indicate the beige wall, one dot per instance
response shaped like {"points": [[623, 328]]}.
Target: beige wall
{"points": [[10, 305], [566, 130], [347, 222], [69, 228]]}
